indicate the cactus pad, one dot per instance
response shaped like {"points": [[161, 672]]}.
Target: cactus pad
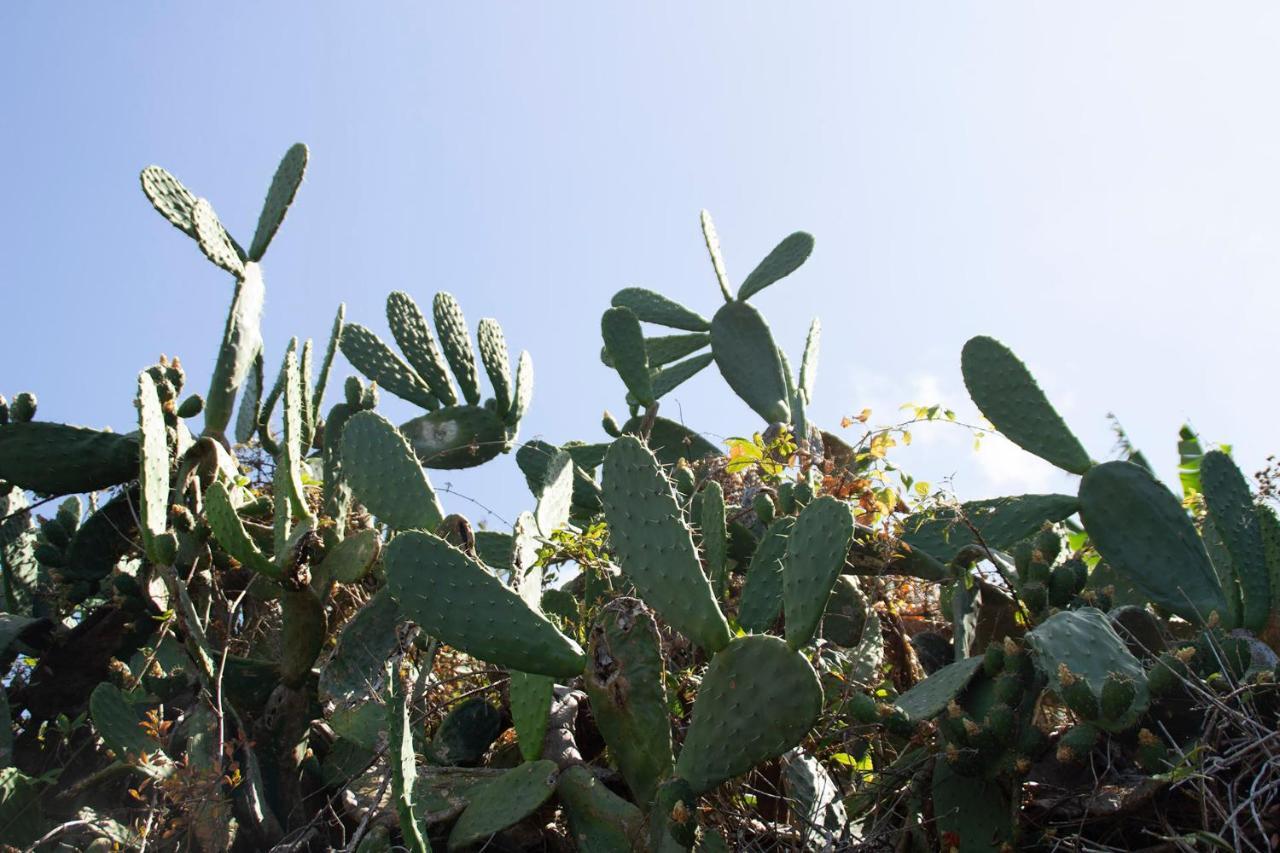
{"points": [[456, 437], [1008, 396], [284, 186], [455, 340], [748, 359], [1000, 522], [386, 476], [1081, 647], [1142, 531], [55, 459], [655, 548], [369, 355], [625, 679], [785, 259], [815, 555], [505, 801], [1226, 494], [758, 699], [650, 307], [456, 599], [624, 342]]}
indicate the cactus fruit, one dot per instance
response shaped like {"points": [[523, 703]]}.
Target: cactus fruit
{"points": [[1077, 742], [757, 700], [457, 600], [1008, 396], [1141, 530], [654, 547]]}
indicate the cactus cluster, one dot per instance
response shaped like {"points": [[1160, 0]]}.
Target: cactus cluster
{"points": [[277, 610]]}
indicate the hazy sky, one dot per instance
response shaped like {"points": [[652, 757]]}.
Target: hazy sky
{"points": [[1096, 184]]}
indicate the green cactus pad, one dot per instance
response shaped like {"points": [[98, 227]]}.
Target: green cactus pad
{"points": [[55, 459], [655, 548], [117, 720], [213, 239], [1000, 522], [409, 327], [530, 697], [758, 699], [761, 602], [671, 441], [813, 795], [785, 259], [809, 364], [748, 359], [974, 813], [241, 347], [368, 354], [352, 558], [669, 378], [815, 555], [1142, 531], [153, 479], [170, 198], [650, 307], [1085, 643], [303, 632], [385, 474], [456, 599], [624, 342], [229, 532], [713, 249], [664, 349], [455, 340], [356, 670], [496, 359], [715, 536], [284, 186], [1231, 506], [456, 437], [103, 539], [930, 697], [845, 620], [523, 395], [505, 801], [599, 820], [1008, 396], [326, 364], [466, 733], [625, 679], [404, 770]]}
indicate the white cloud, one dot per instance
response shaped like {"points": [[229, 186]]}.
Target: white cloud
{"points": [[1009, 469]]}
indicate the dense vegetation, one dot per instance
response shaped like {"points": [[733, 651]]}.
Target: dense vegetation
{"points": [[272, 635]]}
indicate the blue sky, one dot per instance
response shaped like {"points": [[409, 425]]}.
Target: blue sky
{"points": [[1095, 184]]}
